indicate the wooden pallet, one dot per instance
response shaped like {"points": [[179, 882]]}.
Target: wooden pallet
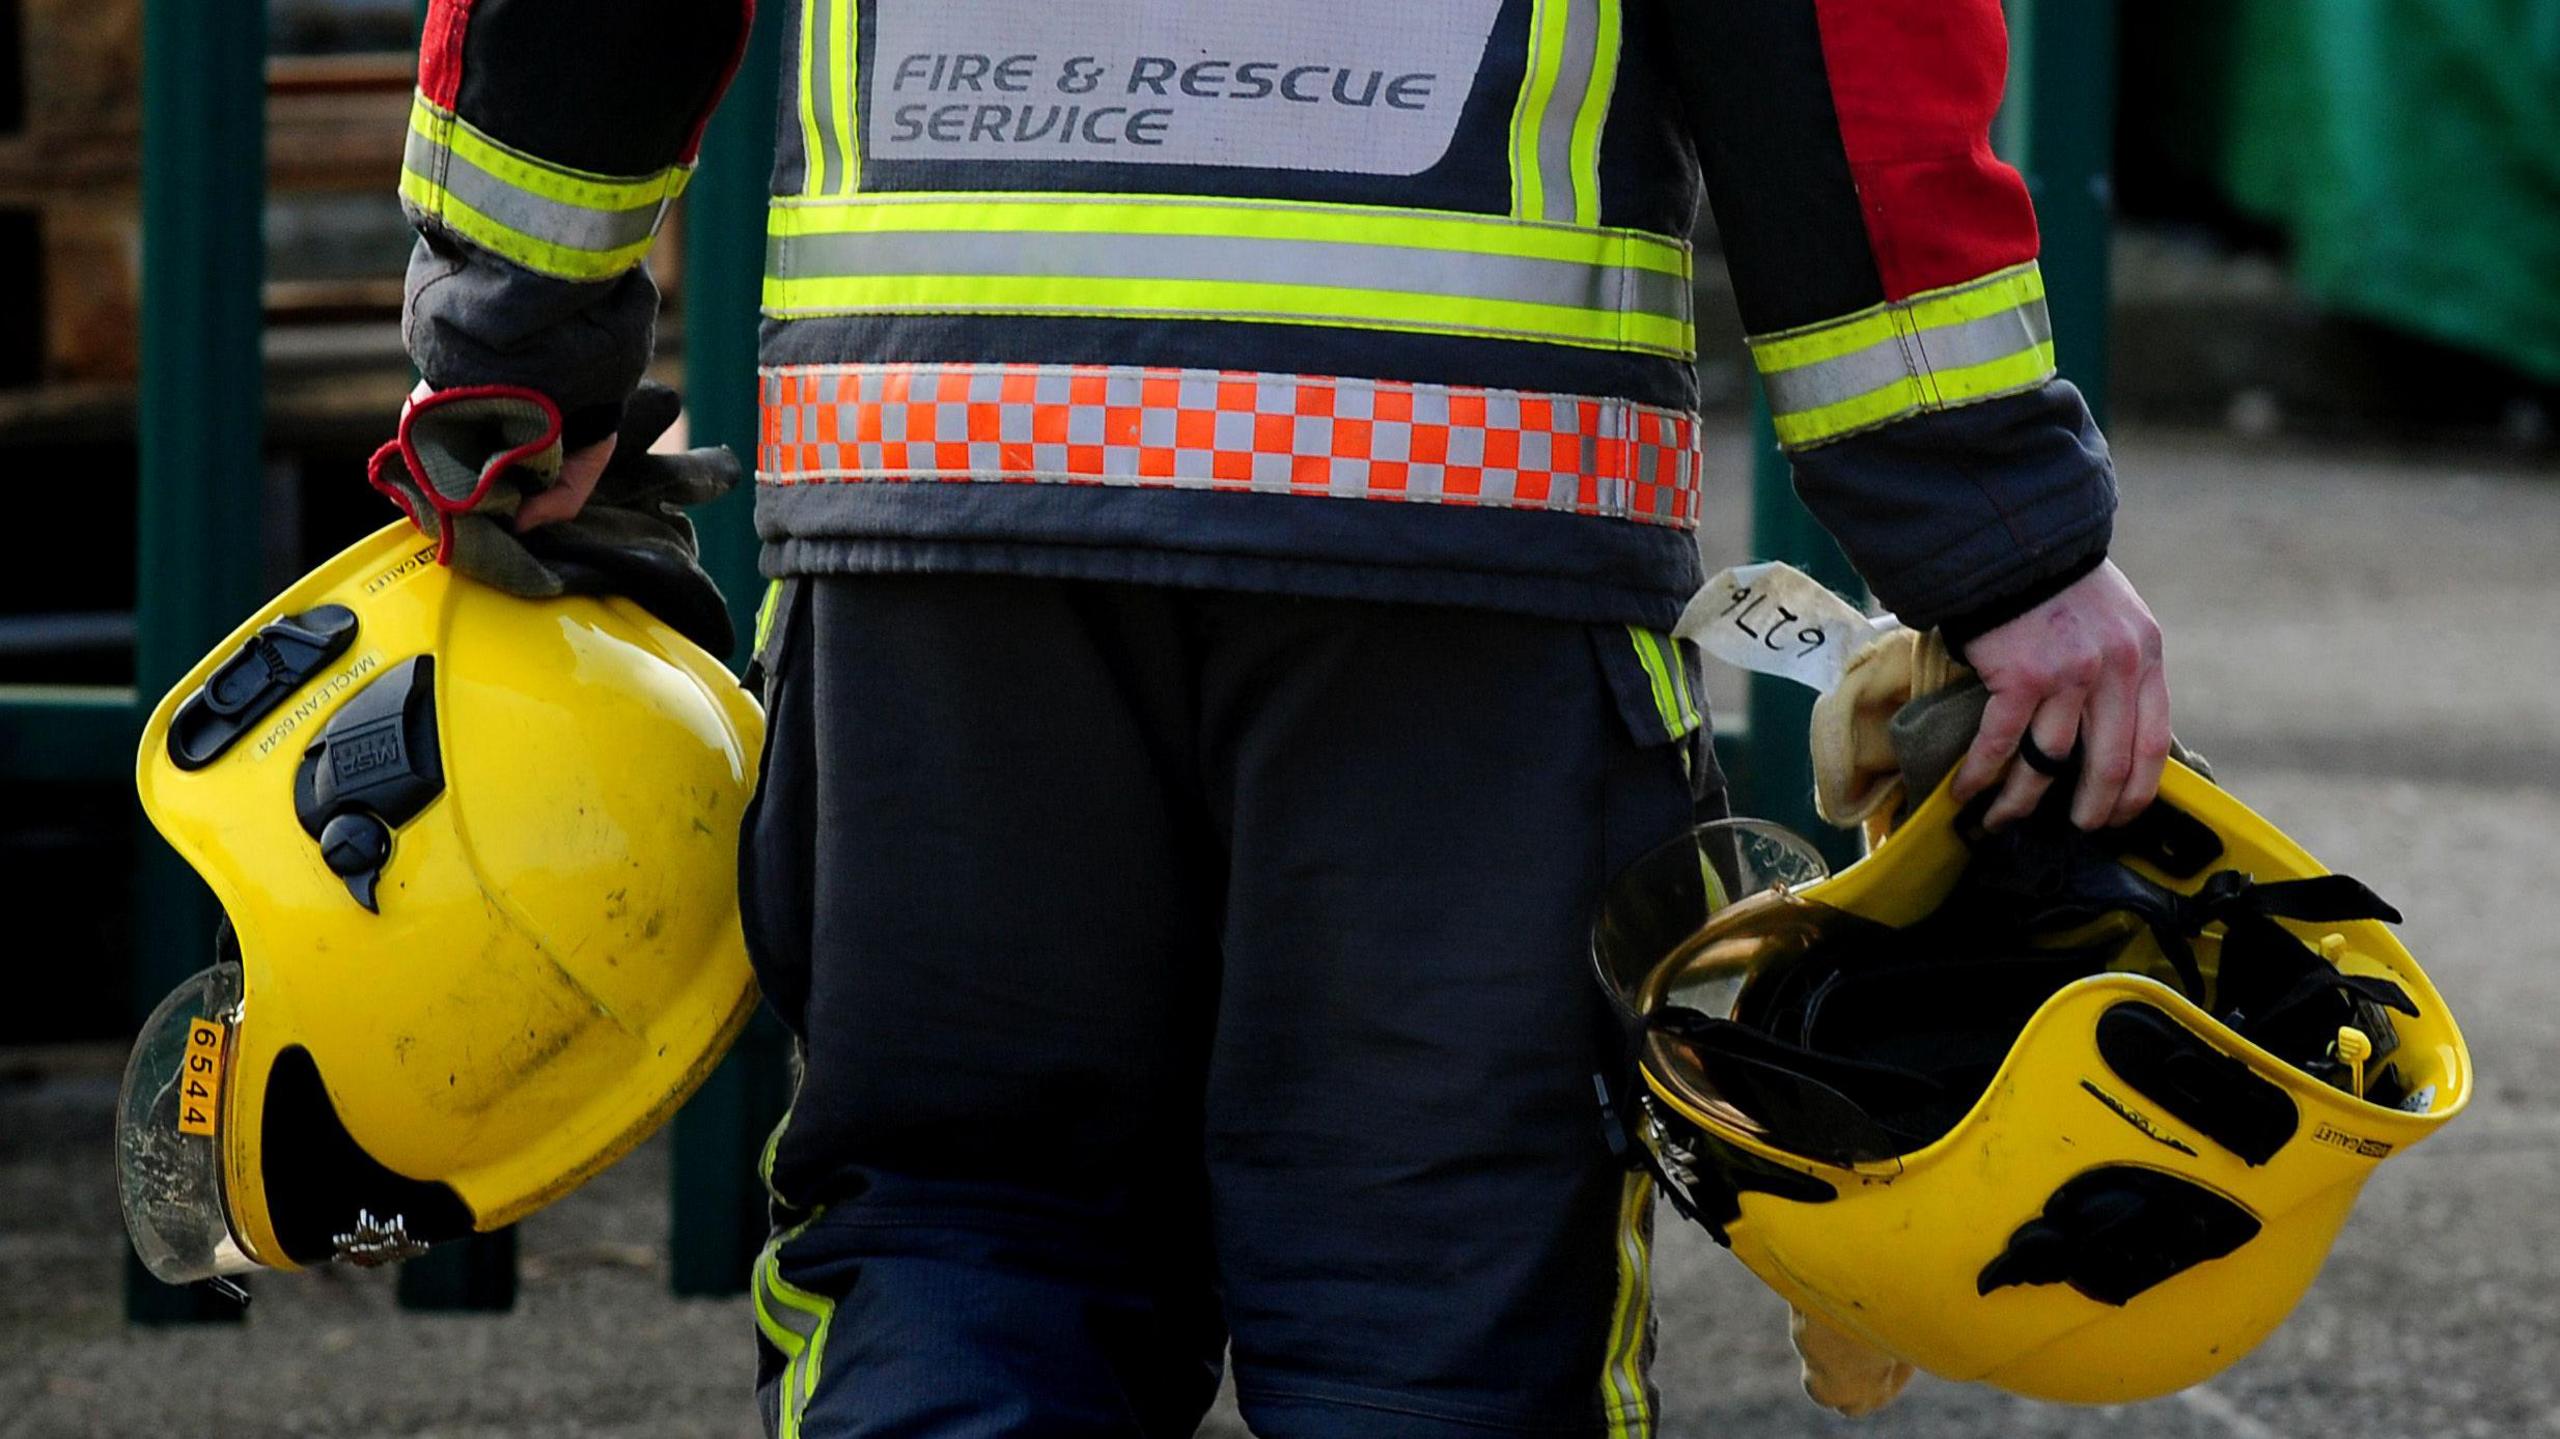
{"points": [[334, 125]]}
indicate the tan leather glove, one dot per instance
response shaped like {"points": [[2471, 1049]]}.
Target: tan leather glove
{"points": [[1845, 1375], [1903, 714], [1855, 771]]}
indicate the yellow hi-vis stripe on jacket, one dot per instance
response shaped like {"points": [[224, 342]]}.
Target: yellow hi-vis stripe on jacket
{"points": [[1936, 350], [1555, 126], [830, 117], [545, 217], [1197, 257]]}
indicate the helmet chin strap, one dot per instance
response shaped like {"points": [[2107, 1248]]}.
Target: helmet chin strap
{"points": [[2045, 875]]}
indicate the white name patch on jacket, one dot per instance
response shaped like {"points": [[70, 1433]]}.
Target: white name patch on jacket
{"points": [[1345, 85]]}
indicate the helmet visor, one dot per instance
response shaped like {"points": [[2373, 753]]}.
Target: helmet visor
{"points": [[1656, 907], [168, 1158]]}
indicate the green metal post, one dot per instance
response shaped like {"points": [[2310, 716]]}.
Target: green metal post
{"points": [[203, 189], [71, 734], [723, 285], [718, 1202], [2058, 128], [1771, 771]]}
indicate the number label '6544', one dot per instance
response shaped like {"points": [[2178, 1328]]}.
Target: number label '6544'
{"points": [[200, 1086]]}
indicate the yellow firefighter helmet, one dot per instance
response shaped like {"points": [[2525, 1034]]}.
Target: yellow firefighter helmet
{"points": [[2074, 1115], [477, 858]]}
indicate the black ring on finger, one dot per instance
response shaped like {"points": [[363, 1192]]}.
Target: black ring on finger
{"points": [[2044, 764]]}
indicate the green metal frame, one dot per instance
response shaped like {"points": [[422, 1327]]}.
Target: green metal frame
{"points": [[200, 435], [75, 734]]}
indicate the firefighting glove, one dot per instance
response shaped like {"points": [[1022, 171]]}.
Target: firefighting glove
{"points": [[1856, 772], [1930, 736], [1843, 1374], [465, 459], [1904, 714]]}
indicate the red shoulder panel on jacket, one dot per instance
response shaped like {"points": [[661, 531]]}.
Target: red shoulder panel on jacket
{"points": [[1916, 87]]}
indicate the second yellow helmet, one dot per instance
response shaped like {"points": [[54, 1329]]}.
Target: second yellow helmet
{"points": [[477, 856]]}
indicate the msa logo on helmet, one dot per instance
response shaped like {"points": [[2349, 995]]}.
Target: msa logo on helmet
{"points": [[355, 757], [2352, 1143], [373, 768]]}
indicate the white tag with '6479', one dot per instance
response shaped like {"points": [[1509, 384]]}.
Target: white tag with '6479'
{"points": [[1774, 619]]}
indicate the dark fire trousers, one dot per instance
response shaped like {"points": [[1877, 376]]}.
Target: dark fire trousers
{"points": [[1177, 968]]}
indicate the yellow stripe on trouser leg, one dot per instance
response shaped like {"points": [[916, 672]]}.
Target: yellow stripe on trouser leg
{"points": [[1666, 669], [796, 1322], [1647, 655], [1676, 659], [1622, 1382], [764, 632]]}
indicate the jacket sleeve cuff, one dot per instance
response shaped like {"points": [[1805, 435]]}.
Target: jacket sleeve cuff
{"points": [[1962, 630], [474, 318], [1953, 513]]}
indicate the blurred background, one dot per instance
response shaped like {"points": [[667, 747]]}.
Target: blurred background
{"points": [[2305, 258]]}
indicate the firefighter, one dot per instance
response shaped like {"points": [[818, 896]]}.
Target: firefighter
{"points": [[1230, 473]]}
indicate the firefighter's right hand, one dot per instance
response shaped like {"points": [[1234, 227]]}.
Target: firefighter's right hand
{"points": [[2079, 675]]}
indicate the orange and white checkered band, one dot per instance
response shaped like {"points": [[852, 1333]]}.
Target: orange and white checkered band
{"points": [[1229, 430]]}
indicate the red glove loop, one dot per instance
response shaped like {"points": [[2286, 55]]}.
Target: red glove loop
{"points": [[373, 476], [406, 448]]}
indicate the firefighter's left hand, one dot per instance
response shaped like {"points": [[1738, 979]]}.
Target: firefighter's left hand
{"points": [[579, 471], [490, 485], [2082, 669]]}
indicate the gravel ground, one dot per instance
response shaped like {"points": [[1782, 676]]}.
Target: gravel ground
{"points": [[2352, 639]]}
